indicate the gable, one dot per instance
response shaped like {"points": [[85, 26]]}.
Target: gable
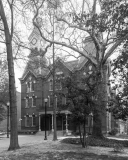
{"points": [[27, 76], [60, 69], [87, 68]]}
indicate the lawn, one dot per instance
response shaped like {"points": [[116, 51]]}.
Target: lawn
{"points": [[63, 150]]}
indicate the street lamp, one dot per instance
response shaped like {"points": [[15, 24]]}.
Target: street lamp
{"points": [[8, 119], [45, 101]]}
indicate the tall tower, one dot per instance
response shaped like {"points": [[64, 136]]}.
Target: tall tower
{"points": [[35, 39], [37, 59]]}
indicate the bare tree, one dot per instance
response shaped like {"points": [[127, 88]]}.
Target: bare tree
{"points": [[104, 22], [7, 31]]}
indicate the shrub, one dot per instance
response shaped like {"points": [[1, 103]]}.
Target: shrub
{"points": [[113, 132], [99, 142], [118, 147]]}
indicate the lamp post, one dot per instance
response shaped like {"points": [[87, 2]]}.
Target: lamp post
{"points": [[45, 101], [8, 119]]}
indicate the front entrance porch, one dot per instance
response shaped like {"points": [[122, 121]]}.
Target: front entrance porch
{"points": [[62, 120]]}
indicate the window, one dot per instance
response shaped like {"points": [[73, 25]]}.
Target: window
{"points": [[27, 102], [59, 100], [64, 100], [58, 85], [51, 85], [33, 101], [27, 121], [33, 120], [30, 86], [51, 100], [48, 101]]}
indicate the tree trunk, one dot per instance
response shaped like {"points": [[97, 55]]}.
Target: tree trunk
{"points": [[97, 125], [54, 101], [13, 105], [12, 89], [84, 135], [102, 98], [80, 134]]}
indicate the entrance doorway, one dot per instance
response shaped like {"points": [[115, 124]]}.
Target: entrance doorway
{"points": [[48, 122]]}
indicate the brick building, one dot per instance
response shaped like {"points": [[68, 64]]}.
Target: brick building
{"points": [[36, 85]]}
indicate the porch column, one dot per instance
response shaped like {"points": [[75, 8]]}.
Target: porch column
{"points": [[107, 121], [39, 123], [66, 123], [92, 120], [52, 124]]}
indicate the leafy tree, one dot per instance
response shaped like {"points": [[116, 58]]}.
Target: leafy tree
{"points": [[4, 90], [119, 103], [81, 98]]}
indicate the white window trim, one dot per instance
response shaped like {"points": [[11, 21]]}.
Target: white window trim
{"points": [[59, 73], [29, 89], [48, 101]]}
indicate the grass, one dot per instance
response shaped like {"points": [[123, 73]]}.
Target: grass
{"points": [[67, 149], [97, 142], [62, 156]]}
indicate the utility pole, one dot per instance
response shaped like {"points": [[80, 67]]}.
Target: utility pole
{"points": [[45, 101], [8, 120], [53, 72]]}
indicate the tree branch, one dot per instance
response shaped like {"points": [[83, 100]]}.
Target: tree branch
{"points": [[111, 50]]}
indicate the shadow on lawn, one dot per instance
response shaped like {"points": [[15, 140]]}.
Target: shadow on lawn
{"points": [[63, 156]]}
